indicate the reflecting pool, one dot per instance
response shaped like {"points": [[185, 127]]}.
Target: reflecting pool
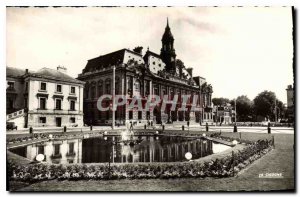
{"points": [[113, 149]]}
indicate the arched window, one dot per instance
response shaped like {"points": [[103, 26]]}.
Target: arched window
{"points": [[86, 90], [93, 90], [108, 86], [172, 92], [156, 89], [137, 85], [117, 85], [100, 88], [129, 85], [164, 90], [72, 105]]}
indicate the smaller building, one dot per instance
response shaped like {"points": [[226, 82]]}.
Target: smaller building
{"points": [[45, 98], [224, 114]]}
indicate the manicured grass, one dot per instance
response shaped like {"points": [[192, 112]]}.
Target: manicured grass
{"points": [[279, 160]]}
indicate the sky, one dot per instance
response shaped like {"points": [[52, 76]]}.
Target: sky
{"points": [[239, 50]]}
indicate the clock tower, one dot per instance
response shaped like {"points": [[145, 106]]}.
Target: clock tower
{"points": [[167, 53]]}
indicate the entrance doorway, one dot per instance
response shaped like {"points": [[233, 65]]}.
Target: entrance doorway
{"points": [[58, 121]]}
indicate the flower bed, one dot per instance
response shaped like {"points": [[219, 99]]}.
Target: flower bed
{"points": [[225, 167], [229, 139]]}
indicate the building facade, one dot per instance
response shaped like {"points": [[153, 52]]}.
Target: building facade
{"points": [[138, 75], [46, 98], [224, 114]]}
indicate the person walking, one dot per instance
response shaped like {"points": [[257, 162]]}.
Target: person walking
{"points": [[131, 126]]}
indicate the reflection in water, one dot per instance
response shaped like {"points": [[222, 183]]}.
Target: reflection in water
{"points": [[100, 150]]}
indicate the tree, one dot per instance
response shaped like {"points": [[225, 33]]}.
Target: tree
{"points": [[243, 108], [220, 101], [264, 105]]}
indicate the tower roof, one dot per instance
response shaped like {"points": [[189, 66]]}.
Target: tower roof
{"points": [[168, 34]]}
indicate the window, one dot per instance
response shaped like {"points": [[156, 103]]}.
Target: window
{"points": [[42, 103], [11, 85], [93, 91], [147, 88], [130, 114], [153, 63], [40, 149], [72, 90], [43, 120], [58, 104], [43, 86], [117, 84], [86, 91], [72, 105], [71, 148], [156, 90], [58, 88], [100, 88], [137, 86], [56, 149], [107, 87], [140, 115], [72, 120]]}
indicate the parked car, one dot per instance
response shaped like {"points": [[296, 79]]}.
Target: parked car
{"points": [[11, 126]]}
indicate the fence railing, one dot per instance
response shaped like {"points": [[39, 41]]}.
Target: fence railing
{"points": [[15, 114]]}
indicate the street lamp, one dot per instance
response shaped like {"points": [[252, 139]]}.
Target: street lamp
{"points": [[188, 156]]}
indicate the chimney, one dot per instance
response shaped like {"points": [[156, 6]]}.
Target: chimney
{"points": [[26, 71], [62, 69], [138, 49], [190, 71]]}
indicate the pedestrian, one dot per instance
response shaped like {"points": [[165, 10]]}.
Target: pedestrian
{"points": [[131, 126]]}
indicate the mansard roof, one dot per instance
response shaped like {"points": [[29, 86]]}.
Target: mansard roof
{"points": [[107, 60], [49, 73]]}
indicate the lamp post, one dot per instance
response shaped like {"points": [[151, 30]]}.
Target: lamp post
{"points": [[235, 111], [109, 144]]}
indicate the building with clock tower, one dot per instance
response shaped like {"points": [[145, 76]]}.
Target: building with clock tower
{"points": [[143, 75]]}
